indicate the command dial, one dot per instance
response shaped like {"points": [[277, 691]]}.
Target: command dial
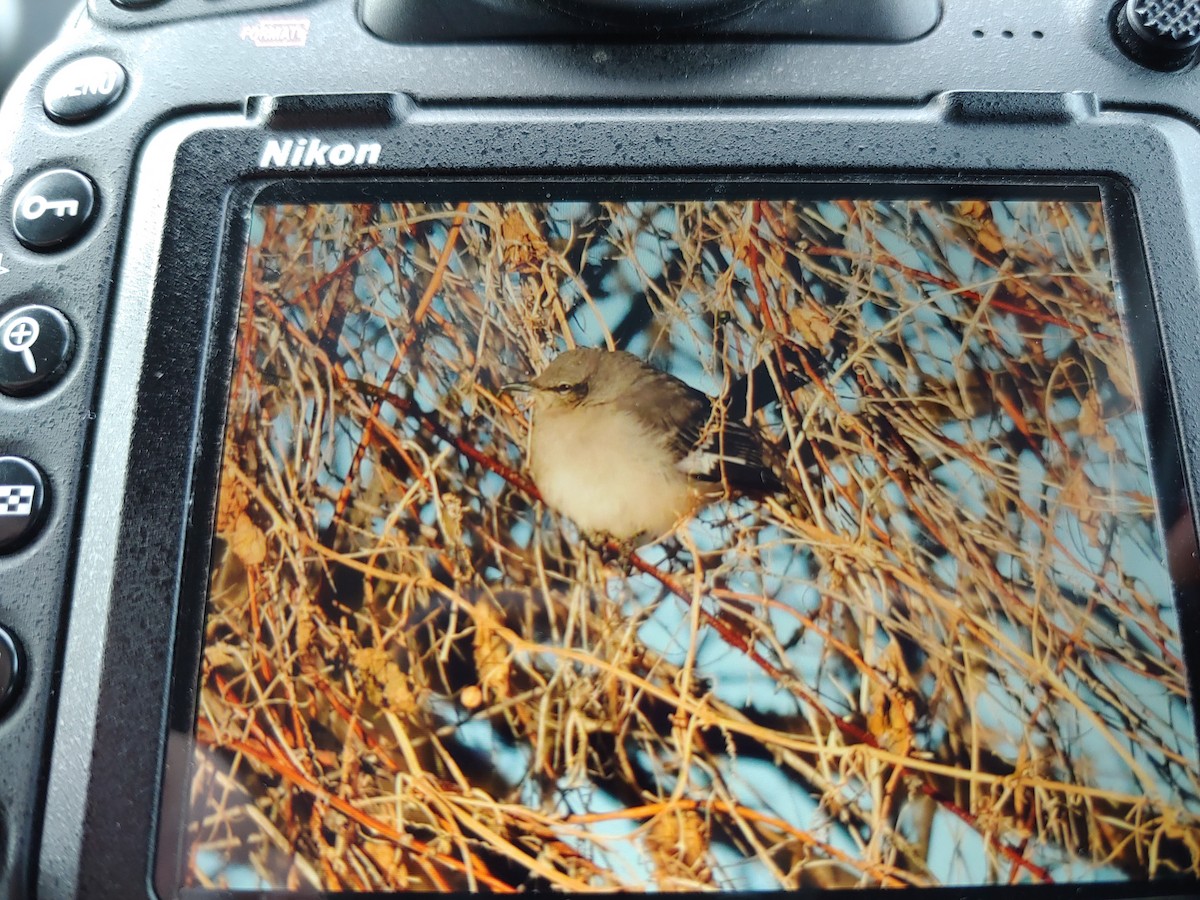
{"points": [[1160, 34]]}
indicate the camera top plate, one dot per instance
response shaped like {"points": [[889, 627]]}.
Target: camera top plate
{"points": [[992, 94]]}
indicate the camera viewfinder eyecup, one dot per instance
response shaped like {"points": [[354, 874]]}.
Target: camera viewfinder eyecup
{"points": [[657, 13], [534, 22]]}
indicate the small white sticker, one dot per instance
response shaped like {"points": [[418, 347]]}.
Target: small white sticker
{"points": [[16, 500], [291, 32]]}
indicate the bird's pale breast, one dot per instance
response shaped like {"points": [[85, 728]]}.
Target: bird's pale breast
{"points": [[601, 468]]}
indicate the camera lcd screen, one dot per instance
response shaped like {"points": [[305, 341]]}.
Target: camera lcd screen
{"points": [[848, 554]]}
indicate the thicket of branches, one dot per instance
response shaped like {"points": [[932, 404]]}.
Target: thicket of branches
{"points": [[953, 657]]}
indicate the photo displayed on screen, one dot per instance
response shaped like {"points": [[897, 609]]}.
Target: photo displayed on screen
{"points": [[724, 545]]}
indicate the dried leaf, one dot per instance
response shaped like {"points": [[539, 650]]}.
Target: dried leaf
{"points": [[989, 236], [813, 327], [972, 209], [891, 709], [523, 245], [234, 498], [305, 628], [1122, 382], [679, 841], [218, 655], [385, 684], [491, 653], [1092, 424], [248, 542]]}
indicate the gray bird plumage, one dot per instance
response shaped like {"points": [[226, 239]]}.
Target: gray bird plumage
{"points": [[626, 450]]}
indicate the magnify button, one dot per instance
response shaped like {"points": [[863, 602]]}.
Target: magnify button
{"points": [[20, 336], [36, 345]]}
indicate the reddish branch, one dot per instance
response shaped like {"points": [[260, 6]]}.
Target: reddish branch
{"points": [[929, 278], [431, 290], [270, 756]]}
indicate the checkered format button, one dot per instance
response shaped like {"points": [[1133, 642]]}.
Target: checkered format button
{"points": [[22, 501]]}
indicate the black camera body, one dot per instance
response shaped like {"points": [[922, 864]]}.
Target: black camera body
{"points": [[132, 147]]}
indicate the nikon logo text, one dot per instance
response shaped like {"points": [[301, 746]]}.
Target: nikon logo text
{"points": [[312, 153]]}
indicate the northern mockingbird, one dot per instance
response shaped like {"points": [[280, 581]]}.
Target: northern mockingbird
{"points": [[626, 451]]}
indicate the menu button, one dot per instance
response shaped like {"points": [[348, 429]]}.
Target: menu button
{"points": [[83, 89]]}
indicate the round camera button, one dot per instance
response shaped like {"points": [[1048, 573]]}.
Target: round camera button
{"points": [[83, 89], [1160, 34], [54, 209], [36, 345], [11, 670], [22, 501]]}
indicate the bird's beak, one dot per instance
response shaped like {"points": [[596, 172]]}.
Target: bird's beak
{"points": [[516, 387]]}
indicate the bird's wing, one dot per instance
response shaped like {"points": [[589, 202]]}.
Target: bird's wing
{"points": [[705, 449], [734, 455]]}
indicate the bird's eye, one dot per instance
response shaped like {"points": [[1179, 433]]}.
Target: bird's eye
{"points": [[571, 393]]}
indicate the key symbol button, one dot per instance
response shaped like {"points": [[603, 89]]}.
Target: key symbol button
{"points": [[36, 206], [36, 345], [54, 209]]}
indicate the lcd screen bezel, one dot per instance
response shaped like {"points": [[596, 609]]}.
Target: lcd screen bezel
{"points": [[192, 171], [1129, 270]]}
